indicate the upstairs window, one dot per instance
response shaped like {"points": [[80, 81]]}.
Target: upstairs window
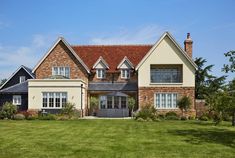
{"points": [[166, 74], [63, 71], [125, 73], [100, 73], [22, 79]]}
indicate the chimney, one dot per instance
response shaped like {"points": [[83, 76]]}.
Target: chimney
{"points": [[188, 45]]}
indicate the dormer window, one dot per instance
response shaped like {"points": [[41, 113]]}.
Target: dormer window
{"points": [[62, 71], [100, 73], [22, 79], [125, 73]]}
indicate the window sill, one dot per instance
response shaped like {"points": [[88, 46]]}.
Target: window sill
{"points": [[167, 109], [166, 83]]}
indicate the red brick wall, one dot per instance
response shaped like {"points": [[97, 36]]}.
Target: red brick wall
{"points": [[146, 95], [114, 76], [61, 56]]}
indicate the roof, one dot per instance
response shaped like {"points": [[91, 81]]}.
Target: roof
{"points": [[17, 88], [108, 86], [61, 39], [112, 54], [28, 70]]}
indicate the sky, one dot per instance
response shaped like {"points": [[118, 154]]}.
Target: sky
{"points": [[28, 28]]}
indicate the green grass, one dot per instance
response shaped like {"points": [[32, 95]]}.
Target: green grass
{"points": [[116, 138]]}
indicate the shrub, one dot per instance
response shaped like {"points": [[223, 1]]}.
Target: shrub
{"points": [[171, 113], [8, 110], [191, 118], [68, 109], [47, 117], [140, 119], [226, 117], [172, 118], [183, 118], [203, 118], [31, 117], [161, 116], [19, 117], [184, 104], [147, 112]]}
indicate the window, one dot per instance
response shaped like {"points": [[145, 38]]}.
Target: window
{"points": [[166, 74], [116, 102], [109, 102], [123, 102], [103, 100], [100, 73], [22, 79], [166, 100], [63, 71], [125, 73], [54, 99], [16, 99]]}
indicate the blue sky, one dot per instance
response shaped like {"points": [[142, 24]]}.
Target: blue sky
{"points": [[28, 28]]}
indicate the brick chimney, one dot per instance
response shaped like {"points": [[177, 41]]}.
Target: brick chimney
{"points": [[188, 45]]}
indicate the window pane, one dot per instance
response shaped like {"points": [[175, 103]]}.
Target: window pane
{"points": [[163, 101], [174, 100], [64, 99], [67, 72], [116, 102], [44, 100], [158, 105], [57, 99], [169, 101], [123, 102], [51, 100], [102, 102], [109, 102]]}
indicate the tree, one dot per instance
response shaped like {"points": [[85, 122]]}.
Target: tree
{"points": [[3, 81], [94, 102], [131, 104], [231, 106], [8, 110], [184, 104], [201, 77], [231, 66]]}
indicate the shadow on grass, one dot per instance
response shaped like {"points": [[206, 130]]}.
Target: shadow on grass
{"points": [[200, 136]]}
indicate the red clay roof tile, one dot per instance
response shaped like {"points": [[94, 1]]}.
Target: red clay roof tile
{"points": [[112, 54]]}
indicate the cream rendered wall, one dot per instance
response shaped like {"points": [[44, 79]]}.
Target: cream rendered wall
{"points": [[72, 87], [166, 53]]}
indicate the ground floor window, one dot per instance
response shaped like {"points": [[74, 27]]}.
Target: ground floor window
{"points": [[54, 99], [113, 102], [166, 100], [16, 100]]}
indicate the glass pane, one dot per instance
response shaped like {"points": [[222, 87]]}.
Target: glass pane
{"points": [[116, 102], [102, 102], [109, 102], [67, 72], [123, 102], [51, 100]]}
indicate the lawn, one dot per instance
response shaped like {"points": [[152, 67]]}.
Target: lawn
{"points": [[115, 138]]}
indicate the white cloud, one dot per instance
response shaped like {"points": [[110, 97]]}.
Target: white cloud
{"points": [[12, 57], [142, 35]]}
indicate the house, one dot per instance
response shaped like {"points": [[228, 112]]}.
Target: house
{"points": [[15, 89], [152, 74]]}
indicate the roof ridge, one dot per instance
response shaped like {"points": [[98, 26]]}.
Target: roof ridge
{"points": [[110, 45]]}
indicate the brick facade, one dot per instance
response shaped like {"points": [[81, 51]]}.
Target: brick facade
{"points": [[146, 96], [61, 56]]}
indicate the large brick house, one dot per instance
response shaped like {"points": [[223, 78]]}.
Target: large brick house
{"points": [[153, 74]]}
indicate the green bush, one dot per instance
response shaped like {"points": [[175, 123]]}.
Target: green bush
{"points": [[70, 111], [161, 116], [30, 117], [8, 110], [191, 118], [147, 112], [226, 117], [203, 118], [47, 117], [171, 113], [19, 117], [172, 118]]}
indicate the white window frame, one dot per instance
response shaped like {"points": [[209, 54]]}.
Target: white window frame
{"points": [[104, 99], [125, 73], [102, 73], [61, 70], [16, 100], [166, 100], [22, 79], [62, 95]]}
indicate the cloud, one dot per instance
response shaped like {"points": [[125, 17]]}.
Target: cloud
{"points": [[12, 57], [142, 35]]}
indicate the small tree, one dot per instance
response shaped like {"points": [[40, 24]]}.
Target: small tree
{"points": [[184, 104], [8, 110], [68, 109], [94, 102], [131, 104]]}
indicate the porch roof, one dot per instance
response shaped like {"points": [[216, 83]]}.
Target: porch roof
{"points": [[109, 86]]}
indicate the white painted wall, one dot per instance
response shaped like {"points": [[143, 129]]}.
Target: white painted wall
{"points": [[166, 53], [72, 87]]}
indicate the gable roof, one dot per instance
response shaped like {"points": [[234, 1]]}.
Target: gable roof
{"points": [[176, 44], [113, 54], [26, 69], [127, 60], [101, 59], [69, 47]]}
